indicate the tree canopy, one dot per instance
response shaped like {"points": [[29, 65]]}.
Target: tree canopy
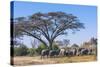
{"points": [[46, 25]]}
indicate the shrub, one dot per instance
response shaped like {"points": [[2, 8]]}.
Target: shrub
{"points": [[55, 47], [31, 51], [21, 50], [40, 48]]}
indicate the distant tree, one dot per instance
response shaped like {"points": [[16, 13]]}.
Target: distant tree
{"points": [[21, 50], [48, 25], [59, 43], [75, 46], [93, 41], [16, 43], [33, 44], [66, 42]]}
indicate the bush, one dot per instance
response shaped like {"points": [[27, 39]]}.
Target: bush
{"points": [[31, 51], [55, 47], [40, 48], [21, 50]]}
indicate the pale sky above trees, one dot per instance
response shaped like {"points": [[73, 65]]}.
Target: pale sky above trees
{"points": [[86, 15]]}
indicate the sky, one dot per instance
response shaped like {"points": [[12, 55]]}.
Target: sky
{"points": [[86, 15]]}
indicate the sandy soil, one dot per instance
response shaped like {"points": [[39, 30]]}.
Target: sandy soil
{"points": [[25, 60]]}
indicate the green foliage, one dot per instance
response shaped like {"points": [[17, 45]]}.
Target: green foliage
{"points": [[40, 48], [21, 50], [31, 51], [55, 47]]}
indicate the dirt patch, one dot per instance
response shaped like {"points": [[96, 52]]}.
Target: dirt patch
{"points": [[23, 60]]}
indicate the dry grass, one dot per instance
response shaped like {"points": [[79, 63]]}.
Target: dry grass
{"points": [[23, 60]]}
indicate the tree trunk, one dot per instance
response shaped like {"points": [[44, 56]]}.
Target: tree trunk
{"points": [[50, 45]]}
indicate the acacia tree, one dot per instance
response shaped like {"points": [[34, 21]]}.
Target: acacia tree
{"points": [[47, 25]]}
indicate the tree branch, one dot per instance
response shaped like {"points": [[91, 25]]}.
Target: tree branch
{"points": [[35, 37]]}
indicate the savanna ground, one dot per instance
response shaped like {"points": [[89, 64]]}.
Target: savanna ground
{"points": [[25, 60]]}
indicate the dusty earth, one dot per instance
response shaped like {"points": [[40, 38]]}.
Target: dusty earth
{"points": [[25, 60]]}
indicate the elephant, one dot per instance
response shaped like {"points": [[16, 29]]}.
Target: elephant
{"points": [[54, 53], [44, 53]]}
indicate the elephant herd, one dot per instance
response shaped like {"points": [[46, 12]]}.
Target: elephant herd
{"points": [[68, 52]]}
